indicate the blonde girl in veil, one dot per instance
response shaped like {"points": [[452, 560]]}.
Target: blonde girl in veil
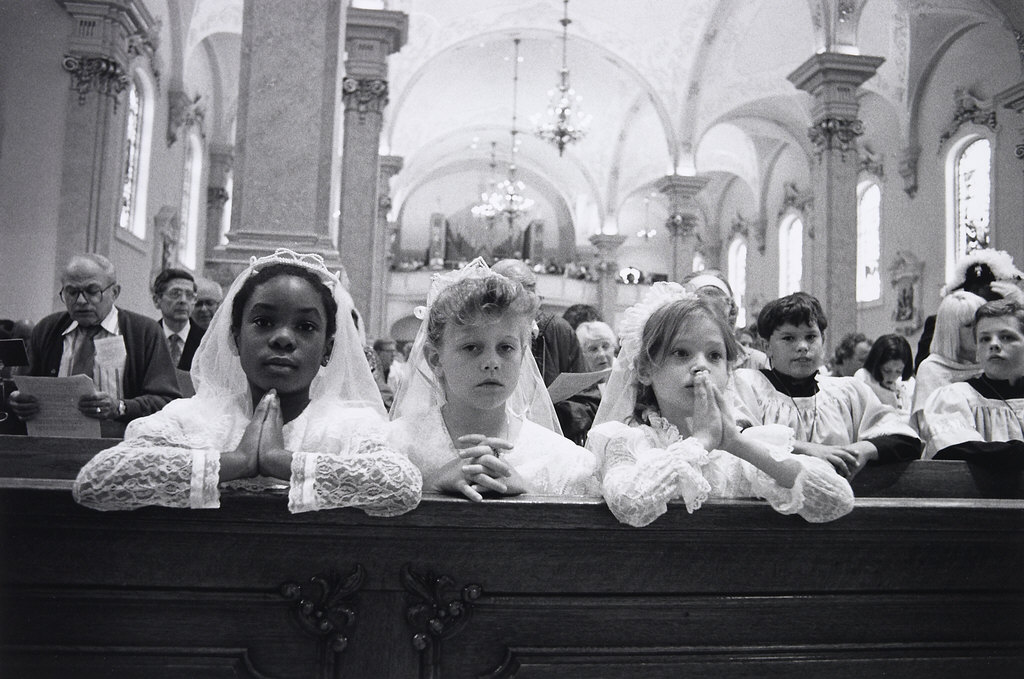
{"points": [[283, 394], [474, 414]]}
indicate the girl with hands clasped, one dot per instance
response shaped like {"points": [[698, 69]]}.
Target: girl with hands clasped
{"points": [[283, 394], [474, 414], [666, 428]]}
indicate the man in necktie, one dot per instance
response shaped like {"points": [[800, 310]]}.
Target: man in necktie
{"points": [[136, 383], [174, 294]]}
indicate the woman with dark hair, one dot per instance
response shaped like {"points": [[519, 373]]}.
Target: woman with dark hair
{"points": [[889, 371]]}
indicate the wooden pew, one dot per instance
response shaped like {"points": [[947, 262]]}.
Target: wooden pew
{"points": [[527, 587]]}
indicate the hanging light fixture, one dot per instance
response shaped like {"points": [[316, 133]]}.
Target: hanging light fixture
{"points": [[565, 124], [513, 203], [490, 201], [647, 232]]}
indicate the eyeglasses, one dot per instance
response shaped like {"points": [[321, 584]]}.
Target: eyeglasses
{"points": [[93, 293], [180, 293]]}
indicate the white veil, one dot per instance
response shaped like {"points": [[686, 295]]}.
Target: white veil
{"points": [[217, 370], [619, 398], [420, 392]]}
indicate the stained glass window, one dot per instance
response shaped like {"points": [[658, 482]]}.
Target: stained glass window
{"points": [[130, 175], [791, 254], [971, 197]]}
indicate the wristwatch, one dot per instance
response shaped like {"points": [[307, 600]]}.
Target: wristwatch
{"points": [[120, 409]]}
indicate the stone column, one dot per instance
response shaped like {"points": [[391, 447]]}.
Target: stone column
{"points": [[389, 167], [107, 36], [284, 142], [370, 36], [832, 79], [220, 161], [682, 222], [607, 245]]}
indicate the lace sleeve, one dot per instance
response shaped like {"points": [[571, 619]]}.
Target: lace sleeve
{"points": [[140, 472], [818, 494], [639, 480], [368, 475]]}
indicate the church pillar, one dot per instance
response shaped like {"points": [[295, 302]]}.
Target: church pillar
{"points": [[832, 79], [370, 36], [284, 142], [607, 245], [107, 36], [682, 222], [221, 159], [389, 167]]}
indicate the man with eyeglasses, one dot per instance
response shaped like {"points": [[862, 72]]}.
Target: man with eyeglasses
{"points": [[209, 295], [174, 294], [132, 383]]}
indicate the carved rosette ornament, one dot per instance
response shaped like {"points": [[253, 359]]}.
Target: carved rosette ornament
{"points": [[364, 95], [105, 75], [435, 611], [325, 610], [835, 134]]}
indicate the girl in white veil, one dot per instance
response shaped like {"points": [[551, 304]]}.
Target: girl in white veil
{"points": [[283, 392], [666, 428], [473, 413]]}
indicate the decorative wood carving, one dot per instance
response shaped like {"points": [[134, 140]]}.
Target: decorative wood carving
{"points": [[435, 612], [325, 610]]}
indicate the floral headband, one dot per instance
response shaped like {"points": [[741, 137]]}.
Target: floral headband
{"points": [[311, 261], [438, 282], [631, 328]]}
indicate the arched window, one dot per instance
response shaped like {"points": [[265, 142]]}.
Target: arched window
{"points": [[138, 136], [972, 194], [738, 278], [190, 200], [791, 255], [869, 279]]}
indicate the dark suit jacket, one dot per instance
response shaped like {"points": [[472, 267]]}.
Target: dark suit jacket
{"points": [[195, 336], [149, 382]]}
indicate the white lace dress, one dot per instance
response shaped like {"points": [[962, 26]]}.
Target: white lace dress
{"points": [[843, 411], [958, 413], [172, 459], [646, 466], [548, 463]]}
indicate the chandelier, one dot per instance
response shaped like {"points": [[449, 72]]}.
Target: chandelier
{"points": [[565, 124], [513, 203], [490, 201]]}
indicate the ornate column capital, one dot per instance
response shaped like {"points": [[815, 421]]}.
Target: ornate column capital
{"points": [[835, 134], [832, 79], [108, 33], [102, 74], [364, 96], [681, 224], [908, 169]]}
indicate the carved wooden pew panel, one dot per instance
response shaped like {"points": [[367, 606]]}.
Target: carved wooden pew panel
{"points": [[520, 587]]}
